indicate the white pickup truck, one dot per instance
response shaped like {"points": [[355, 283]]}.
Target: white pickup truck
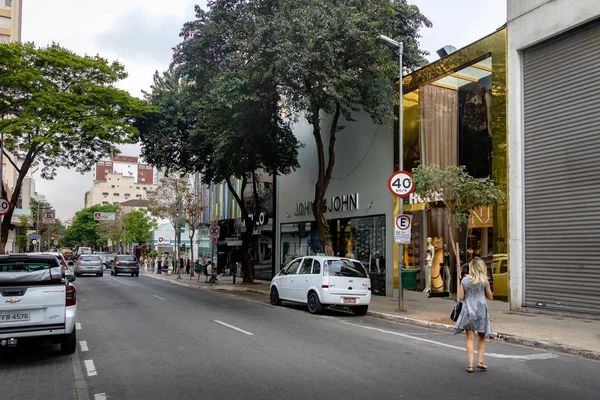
{"points": [[37, 300]]}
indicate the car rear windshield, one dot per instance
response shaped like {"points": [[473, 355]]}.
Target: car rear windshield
{"points": [[127, 258], [89, 258], [346, 268], [24, 267]]}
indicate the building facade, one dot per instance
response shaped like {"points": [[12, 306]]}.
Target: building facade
{"points": [[454, 113], [553, 49], [10, 21], [115, 189], [126, 165]]}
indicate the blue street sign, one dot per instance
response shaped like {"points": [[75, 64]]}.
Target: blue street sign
{"points": [[136, 244], [34, 236]]}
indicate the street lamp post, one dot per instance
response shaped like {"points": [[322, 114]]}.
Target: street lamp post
{"points": [[394, 45]]}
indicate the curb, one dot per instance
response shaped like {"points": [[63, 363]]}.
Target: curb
{"points": [[199, 287], [501, 337], [551, 346], [81, 387]]}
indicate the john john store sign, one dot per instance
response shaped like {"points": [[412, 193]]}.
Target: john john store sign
{"points": [[346, 202]]}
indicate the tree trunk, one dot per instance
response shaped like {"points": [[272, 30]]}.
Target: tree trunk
{"points": [[5, 227], [457, 256], [247, 264], [324, 176]]}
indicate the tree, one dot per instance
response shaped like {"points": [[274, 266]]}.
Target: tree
{"points": [[138, 226], [192, 207], [175, 199], [85, 231], [22, 238], [219, 109], [458, 193], [329, 66], [59, 109]]}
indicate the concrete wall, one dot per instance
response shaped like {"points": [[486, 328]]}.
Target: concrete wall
{"points": [[530, 22], [364, 162]]}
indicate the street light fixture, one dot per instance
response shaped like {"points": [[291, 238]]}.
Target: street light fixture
{"points": [[394, 45]]}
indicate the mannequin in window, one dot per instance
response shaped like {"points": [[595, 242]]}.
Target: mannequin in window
{"points": [[376, 257], [437, 283], [428, 262]]}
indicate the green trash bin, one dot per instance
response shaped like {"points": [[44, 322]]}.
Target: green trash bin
{"points": [[409, 278]]}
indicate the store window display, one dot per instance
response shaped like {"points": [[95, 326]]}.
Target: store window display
{"points": [[361, 238]]}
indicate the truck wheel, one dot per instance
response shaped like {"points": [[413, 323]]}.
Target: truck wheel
{"points": [[69, 344]]}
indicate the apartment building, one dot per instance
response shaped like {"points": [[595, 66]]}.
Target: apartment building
{"points": [[10, 20], [115, 189]]}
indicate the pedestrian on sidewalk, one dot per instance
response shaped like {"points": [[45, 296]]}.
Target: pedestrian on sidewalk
{"points": [[152, 264], [145, 264], [159, 265], [188, 266], [473, 291]]}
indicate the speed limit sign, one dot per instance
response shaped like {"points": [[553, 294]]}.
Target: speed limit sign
{"points": [[4, 206], [401, 183]]}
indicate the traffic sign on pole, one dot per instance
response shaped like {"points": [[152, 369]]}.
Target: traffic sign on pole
{"points": [[401, 183], [48, 217], [402, 231], [214, 240], [4, 206], [104, 216], [215, 231]]}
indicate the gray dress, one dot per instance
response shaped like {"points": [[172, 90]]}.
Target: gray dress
{"points": [[474, 315]]}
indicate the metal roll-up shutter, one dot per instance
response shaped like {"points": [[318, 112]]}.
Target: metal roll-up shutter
{"points": [[561, 79]]}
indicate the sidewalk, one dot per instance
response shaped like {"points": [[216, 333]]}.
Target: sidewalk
{"points": [[580, 337]]}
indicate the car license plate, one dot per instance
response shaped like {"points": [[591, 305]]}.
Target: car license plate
{"points": [[349, 300], [13, 316]]}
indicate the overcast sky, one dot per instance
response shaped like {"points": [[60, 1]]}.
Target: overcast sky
{"points": [[141, 33]]}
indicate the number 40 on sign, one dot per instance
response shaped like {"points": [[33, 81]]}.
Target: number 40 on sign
{"points": [[401, 183]]}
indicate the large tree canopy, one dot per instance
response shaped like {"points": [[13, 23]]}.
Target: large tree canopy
{"points": [[59, 109], [329, 63]]}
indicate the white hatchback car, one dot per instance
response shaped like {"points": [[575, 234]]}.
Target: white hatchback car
{"points": [[321, 280]]}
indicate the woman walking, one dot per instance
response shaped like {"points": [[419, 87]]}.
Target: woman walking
{"points": [[473, 291]]}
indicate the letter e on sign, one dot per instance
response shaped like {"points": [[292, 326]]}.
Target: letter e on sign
{"points": [[401, 184], [403, 222]]}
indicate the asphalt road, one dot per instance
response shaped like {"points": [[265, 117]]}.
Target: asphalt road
{"points": [[148, 339]]}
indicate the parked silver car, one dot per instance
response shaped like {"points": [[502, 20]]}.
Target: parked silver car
{"points": [[89, 264]]}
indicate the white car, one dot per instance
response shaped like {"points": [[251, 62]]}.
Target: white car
{"points": [[320, 280], [37, 300]]}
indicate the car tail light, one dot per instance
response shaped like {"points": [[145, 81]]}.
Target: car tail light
{"points": [[325, 286], [369, 289], [71, 296]]}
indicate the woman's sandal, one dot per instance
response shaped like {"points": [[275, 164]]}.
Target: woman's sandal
{"points": [[470, 370], [481, 366]]}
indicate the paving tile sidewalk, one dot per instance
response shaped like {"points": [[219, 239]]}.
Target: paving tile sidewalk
{"points": [[577, 336]]}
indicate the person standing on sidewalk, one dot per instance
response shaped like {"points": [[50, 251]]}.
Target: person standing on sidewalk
{"points": [[152, 264], [473, 291]]}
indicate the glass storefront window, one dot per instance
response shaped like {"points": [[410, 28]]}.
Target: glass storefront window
{"points": [[360, 238]]}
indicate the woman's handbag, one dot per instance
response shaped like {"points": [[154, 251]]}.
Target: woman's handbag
{"points": [[456, 311]]}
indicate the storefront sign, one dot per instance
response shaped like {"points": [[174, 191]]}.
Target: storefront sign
{"points": [[346, 202], [260, 219]]}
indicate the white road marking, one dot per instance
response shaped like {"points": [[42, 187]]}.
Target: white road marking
{"points": [[83, 345], [539, 356], [158, 297], [78, 326], [120, 281], [100, 396], [90, 367], [233, 327]]}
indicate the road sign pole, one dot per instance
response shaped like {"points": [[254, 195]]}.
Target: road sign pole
{"points": [[401, 168], [48, 238]]}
